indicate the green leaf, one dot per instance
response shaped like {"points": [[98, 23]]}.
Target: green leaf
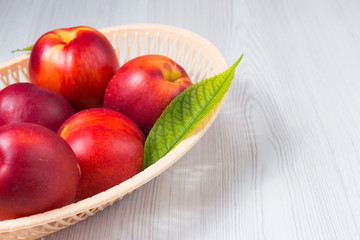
{"points": [[29, 48], [184, 113]]}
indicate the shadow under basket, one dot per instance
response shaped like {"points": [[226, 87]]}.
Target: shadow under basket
{"points": [[200, 58]]}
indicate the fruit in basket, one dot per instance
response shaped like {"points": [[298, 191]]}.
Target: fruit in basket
{"points": [[76, 62], [27, 102], [38, 170], [143, 87], [108, 145]]}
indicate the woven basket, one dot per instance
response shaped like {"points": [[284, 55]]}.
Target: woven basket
{"points": [[201, 60]]}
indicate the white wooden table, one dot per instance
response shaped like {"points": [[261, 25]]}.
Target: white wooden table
{"points": [[282, 160]]}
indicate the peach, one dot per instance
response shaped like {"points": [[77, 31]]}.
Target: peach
{"points": [[27, 102], [144, 86], [38, 170], [76, 62], [108, 145]]}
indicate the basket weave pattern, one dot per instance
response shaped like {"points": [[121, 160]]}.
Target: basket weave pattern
{"points": [[199, 58]]}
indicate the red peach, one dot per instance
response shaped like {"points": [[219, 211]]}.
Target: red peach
{"points": [[108, 145], [76, 62], [38, 170], [143, 87], [27, 102]]}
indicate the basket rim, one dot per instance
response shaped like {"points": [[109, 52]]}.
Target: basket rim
{"points": [[117, 192]]}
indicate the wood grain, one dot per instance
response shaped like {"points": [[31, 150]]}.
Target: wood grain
{"points": [[282, 159]]}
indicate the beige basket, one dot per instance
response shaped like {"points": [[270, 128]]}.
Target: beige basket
{"points": [[199, 57]]}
